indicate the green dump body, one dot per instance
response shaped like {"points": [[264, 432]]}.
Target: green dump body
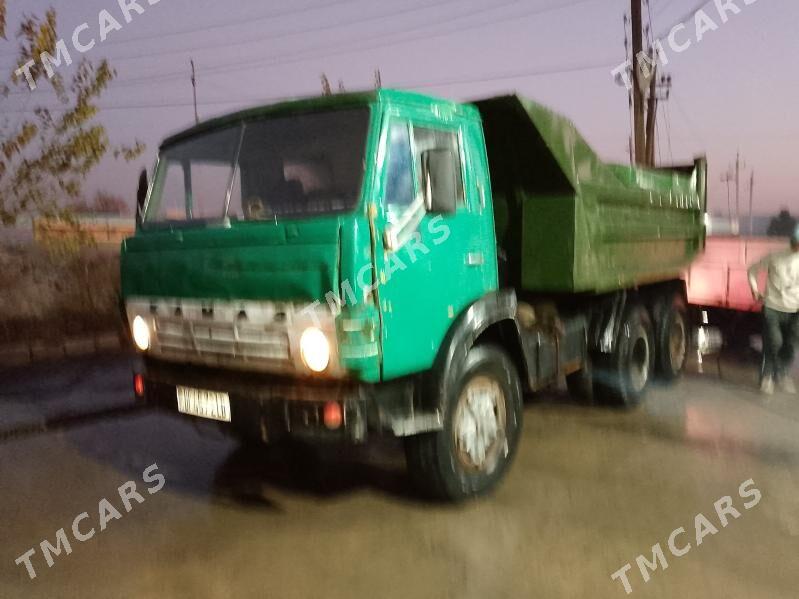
{"points": [[569, 223]]}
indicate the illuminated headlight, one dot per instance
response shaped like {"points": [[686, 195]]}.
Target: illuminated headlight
{"points": [[315, 349], [141, 333]]}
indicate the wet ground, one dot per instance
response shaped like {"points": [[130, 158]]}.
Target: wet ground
{"points": [[590, 491]]}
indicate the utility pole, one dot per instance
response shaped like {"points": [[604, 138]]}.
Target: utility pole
{"points": [[194, 88], [752, 204], [630, 143], [727, 178], [735, 176], [738, 188], [651, 114], [638, 93]]}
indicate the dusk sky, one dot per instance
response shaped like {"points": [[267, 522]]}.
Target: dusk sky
{"points": [[736, 89]]}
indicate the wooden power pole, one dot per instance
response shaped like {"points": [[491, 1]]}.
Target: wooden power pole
{"points": [[651, 119], [639, 134], [752, 205]]}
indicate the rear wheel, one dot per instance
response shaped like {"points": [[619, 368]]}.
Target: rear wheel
{"points": [[482, 424], [625, 374], [673, 340]]}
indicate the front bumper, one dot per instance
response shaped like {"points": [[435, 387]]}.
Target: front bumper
{"points": [[268, 407]]}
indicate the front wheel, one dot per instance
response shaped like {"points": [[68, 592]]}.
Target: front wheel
{"points": [[482, 425]]}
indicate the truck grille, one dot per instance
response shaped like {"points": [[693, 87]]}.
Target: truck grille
{"points": [[243, 335], [222, 340]]}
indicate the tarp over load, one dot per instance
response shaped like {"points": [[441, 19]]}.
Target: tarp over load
{"points": [[567, 222]]}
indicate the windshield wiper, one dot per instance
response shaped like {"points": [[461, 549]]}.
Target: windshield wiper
{"points": [[233, 175]]}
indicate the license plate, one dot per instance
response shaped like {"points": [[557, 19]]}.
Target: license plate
{"points": [[204, 404]]}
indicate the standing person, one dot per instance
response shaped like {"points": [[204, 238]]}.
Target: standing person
{"points": [[780, 315]]}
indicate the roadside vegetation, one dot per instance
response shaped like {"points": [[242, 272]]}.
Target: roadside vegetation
{"points": [[50, 140], [57, 291]]}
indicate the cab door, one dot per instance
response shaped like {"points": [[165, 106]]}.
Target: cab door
{"points": [[430, 267]]}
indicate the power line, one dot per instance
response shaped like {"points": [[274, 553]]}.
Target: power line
{"points": [[689, 15], [337, 49], [663, 6], [248, 21], [311, 30], [689, 121], [345, 49], [409, 85], [316, 29]]}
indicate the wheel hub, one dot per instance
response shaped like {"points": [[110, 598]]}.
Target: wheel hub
{"points": [[639, 365], [479, 425], [677, 344]]}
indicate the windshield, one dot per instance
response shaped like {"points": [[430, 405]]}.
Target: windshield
{"points": [[296, 166]]}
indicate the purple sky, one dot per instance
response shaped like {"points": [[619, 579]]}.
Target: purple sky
{"points": [[737, 88]]}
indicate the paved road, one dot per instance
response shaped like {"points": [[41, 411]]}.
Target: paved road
{"points": [[591, 490]]}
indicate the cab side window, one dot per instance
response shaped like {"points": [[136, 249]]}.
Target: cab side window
{"points": [[425, 139], [400, 187]]}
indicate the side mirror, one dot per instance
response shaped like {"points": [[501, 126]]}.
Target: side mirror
{"points": [[440, 176], [141, 196]]}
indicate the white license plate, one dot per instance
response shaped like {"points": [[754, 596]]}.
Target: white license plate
{"points": [[204, 404]]}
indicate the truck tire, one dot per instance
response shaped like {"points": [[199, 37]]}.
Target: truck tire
{"points": [[625, 374], [672, 340], [482, 425]]}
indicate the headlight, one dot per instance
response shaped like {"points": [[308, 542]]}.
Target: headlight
{"points": [[141, 333], [315, 349]]}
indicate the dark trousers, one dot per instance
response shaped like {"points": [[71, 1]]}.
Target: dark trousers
{"points": [[780, 338]]}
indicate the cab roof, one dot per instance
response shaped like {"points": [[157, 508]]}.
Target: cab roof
{"points": [[320, 103]]}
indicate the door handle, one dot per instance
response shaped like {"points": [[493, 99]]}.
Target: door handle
{"points": [[475, 259]]}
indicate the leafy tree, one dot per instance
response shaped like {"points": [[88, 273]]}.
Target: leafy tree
{"points": [[782, 225], [45, 157]]}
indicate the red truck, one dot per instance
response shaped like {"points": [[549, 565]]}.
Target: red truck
{"points": [[718, 279], [718, 287]]}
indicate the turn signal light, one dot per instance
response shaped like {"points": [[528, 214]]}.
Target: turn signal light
{"points": [[138, 385], [333, 415]]}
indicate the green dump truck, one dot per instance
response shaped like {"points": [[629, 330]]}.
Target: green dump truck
{"points": [[387, 263]]}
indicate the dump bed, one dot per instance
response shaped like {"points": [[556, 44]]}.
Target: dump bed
{"points": [[569, 223]]}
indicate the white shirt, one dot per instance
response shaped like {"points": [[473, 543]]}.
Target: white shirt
{"points": [[782, 289]]}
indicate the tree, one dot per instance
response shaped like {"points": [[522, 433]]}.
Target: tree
{"points": [[45, 157], [107, 203], [103, 203], [782, 225]]}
